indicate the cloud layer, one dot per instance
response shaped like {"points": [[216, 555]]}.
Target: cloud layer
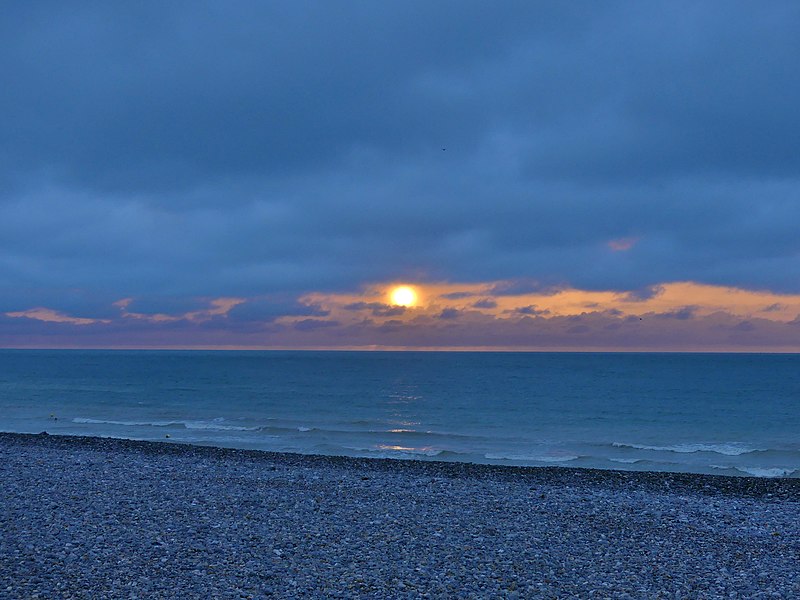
{"points": [[172, 156], [500, 315]]}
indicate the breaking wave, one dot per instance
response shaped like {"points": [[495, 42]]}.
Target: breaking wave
{"points": [[759, 471], [531, 458], [215, 425], [728, 449]]}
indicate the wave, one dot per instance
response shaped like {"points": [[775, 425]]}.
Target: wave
{"points": [[728, 449], [531, 458], [410, 451], [362, 422], [219, 424], [384, 451], [83, 420], [760, 471], [215, 425], [397, 434], [423, 445]]}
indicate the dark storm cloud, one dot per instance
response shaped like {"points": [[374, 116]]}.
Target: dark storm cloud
{"points": [[269, 309], [152, 95], [520, 286], [458, 295], [176, 152], [773, 307], [376, 308], [531, 311], [449, 313], [169, 305], [682, 314], [645, 293], [485, 303], [313, 324]]}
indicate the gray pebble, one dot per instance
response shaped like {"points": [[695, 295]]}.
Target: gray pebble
{"points": [[100, 518]]}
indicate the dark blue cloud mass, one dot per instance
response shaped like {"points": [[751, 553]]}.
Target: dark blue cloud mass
{"points": [[175, 152]]}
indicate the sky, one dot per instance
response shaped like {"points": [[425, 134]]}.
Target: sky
{"points": [[545, 175]]}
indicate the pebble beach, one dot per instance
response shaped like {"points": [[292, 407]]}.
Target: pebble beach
{"points": [[112, 518]]}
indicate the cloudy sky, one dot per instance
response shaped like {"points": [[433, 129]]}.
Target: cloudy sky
{"points": [[546, 175]]}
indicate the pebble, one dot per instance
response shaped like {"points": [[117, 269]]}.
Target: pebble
{"points": [[103, 518]]}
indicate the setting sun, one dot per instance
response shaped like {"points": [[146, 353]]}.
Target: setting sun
{"points": [[403, 296]]}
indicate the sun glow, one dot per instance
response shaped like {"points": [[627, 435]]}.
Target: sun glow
{"points": [[403, 296]]}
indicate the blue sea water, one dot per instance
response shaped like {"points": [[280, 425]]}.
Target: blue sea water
{"points": [[734, 414]]}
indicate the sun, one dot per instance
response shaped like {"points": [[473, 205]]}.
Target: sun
{"points": [[403, 296]]}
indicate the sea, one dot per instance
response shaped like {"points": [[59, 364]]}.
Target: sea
{"points": [[726, 414]]}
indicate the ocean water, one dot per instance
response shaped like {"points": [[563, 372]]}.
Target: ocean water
{"points": [[730, 414]]}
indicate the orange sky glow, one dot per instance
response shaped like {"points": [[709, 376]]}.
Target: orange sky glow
{"points": [[703, 299], [499, 315]]}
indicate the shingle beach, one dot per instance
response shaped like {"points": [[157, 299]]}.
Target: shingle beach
{"points": [[107, 518]]}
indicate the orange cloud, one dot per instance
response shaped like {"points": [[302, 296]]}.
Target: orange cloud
{"points": [[483, 298], [218, 307], [53, 316], [622, 244], [496, 315]]}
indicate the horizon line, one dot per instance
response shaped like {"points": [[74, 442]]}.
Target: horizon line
{"points": [[430, 349]]}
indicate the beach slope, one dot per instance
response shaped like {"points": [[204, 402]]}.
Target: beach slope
{"points": [[106, 518]]}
